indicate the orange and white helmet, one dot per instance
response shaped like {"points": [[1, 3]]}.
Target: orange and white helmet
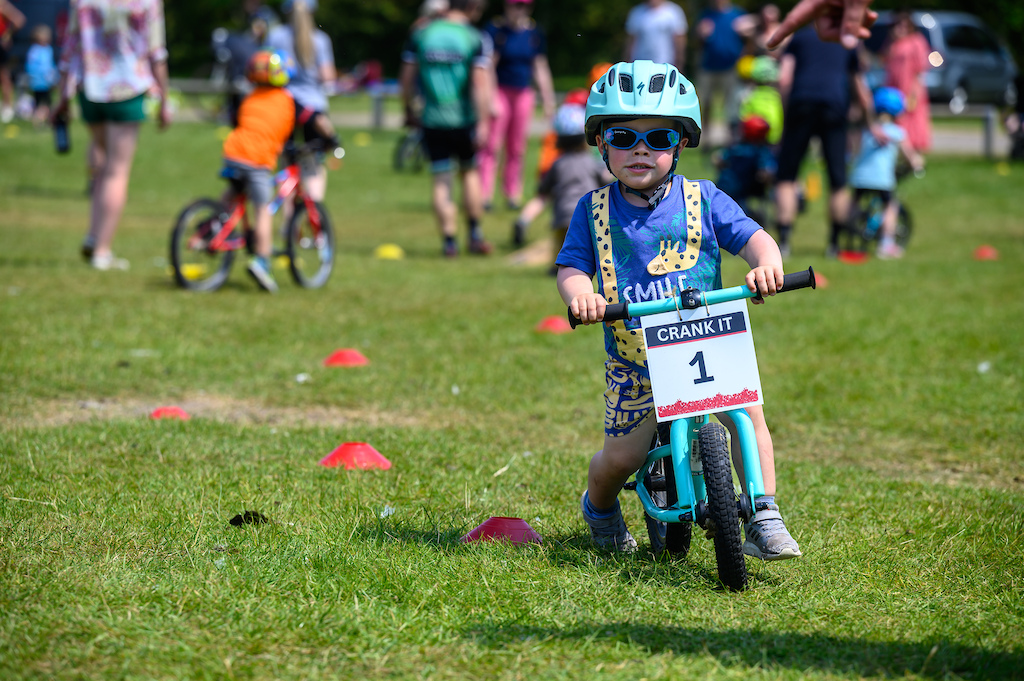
{"points": [[268, 67]]}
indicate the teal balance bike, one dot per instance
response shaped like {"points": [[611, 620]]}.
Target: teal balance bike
{"points": [[711, 328]]}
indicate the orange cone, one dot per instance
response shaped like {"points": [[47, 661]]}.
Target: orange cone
{"points": [[346, 357], [553, 324], [853, 257], [820, 281], [986, 252], [355, 455], [500, 528], [170, 413]]}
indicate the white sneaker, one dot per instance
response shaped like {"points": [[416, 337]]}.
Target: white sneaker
{"points": [[109, 261], [766, 536]]}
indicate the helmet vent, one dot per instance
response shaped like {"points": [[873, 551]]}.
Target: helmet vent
{"points": [[682, 88], [657, 84], [625, 82], [600, 87], [672, 79]]}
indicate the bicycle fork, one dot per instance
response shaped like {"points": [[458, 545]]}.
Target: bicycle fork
{"points": [[691, 494]]}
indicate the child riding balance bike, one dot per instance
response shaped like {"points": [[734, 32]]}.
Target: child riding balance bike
{"points": [[266, 121], [646, 236]]}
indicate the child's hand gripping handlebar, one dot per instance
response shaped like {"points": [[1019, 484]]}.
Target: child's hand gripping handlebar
{"points": [[691, 299]]}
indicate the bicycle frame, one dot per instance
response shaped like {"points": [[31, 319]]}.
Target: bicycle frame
{"points": [[288, 185], [683, 450]]}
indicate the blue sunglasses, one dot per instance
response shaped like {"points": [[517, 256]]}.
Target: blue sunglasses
{"points": [[659, 139]]}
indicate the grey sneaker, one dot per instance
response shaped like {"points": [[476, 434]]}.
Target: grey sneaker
{"points": [[767, 537], [262, 276], [609, 533]]}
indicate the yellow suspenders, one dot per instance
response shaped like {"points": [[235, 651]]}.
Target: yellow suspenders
{"points": [[672, 257]]}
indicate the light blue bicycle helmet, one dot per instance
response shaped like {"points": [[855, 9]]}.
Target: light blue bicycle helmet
{"points": [[644, 89], [889, 100]]}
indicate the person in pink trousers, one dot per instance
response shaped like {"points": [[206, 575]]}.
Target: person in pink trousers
{"points": [[520, 58]]}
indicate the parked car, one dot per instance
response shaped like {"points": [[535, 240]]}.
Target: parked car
{"points": [[970, 64]]}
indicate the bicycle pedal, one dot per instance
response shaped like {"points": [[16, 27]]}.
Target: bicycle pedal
{"points": [[631, 486]]}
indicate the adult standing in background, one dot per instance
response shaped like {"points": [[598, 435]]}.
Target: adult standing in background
{"points": [[114, 52], [656, 30], [520, 59], [451, 61], [313, 56], [11, 19], [721, 47], [816, 79], [906, 59]]}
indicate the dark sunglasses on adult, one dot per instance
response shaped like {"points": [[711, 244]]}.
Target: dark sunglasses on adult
{"points": [[658, 139]]}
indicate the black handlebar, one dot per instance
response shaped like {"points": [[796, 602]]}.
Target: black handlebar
{"points": [[790, 282]]}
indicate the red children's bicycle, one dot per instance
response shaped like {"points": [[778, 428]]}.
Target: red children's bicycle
{"points": [[208, 232]]}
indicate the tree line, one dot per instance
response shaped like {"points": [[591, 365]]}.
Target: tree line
{"points": [[580, 32]]}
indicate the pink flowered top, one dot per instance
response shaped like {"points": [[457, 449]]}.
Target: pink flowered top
{"points": [[109, 45]]}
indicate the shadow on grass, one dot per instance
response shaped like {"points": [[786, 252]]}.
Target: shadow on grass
{"points": [[757, 649], [575, 551]]}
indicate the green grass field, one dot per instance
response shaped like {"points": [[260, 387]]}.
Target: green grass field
{"points": [[894, 394]]}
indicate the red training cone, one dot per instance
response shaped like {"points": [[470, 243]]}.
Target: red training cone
{"points": [[986, 252], [169, 413], [499, 528], [355, 455], [853, 257], [346, 357], [553, 324], [820, 281]]}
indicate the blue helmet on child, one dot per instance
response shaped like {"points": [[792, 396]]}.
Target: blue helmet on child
{"points": [[570, 120], [889, 100], [643, 89]]}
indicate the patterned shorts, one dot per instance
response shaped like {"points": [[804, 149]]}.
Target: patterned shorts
{"points": [[628, 399]]}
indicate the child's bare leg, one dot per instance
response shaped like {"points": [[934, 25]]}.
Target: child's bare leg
{"points": [[620, 458], [444, 206], [889, 218], [765, 447], [263, 231], [532, 210]]}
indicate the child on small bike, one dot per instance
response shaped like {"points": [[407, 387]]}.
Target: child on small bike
{"points": [[645, 236], [266, 121], [746, 168], [874, 169], [574, 173]]}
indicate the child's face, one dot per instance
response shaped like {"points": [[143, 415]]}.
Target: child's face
{"points": [[640, 168]]}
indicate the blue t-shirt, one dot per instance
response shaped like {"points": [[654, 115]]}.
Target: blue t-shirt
{"points": [[516, 50], [39, 66], [822, 70], [639, 236], [724, 46], [875, 165]]}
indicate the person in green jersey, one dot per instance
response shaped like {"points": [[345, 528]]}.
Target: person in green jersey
{"points": [[450, 62]]}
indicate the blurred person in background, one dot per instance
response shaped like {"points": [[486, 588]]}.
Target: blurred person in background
{"points": [[520, 60], [114, 52], [906, 60], [313, 55], [11, 19], [656, 30], [451, 63]]}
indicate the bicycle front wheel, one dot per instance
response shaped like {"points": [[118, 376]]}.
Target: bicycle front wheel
{"points": [[904, 227], [723, 521], [197, 264], [310, 246]]}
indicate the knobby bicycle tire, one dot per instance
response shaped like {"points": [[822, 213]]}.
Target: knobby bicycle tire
{"points": [[671, 537], [722, 522], [197, 267], [310, 246]]}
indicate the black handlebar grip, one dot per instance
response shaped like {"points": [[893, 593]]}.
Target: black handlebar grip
{"points": [[612, 312], [796, 280]]}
